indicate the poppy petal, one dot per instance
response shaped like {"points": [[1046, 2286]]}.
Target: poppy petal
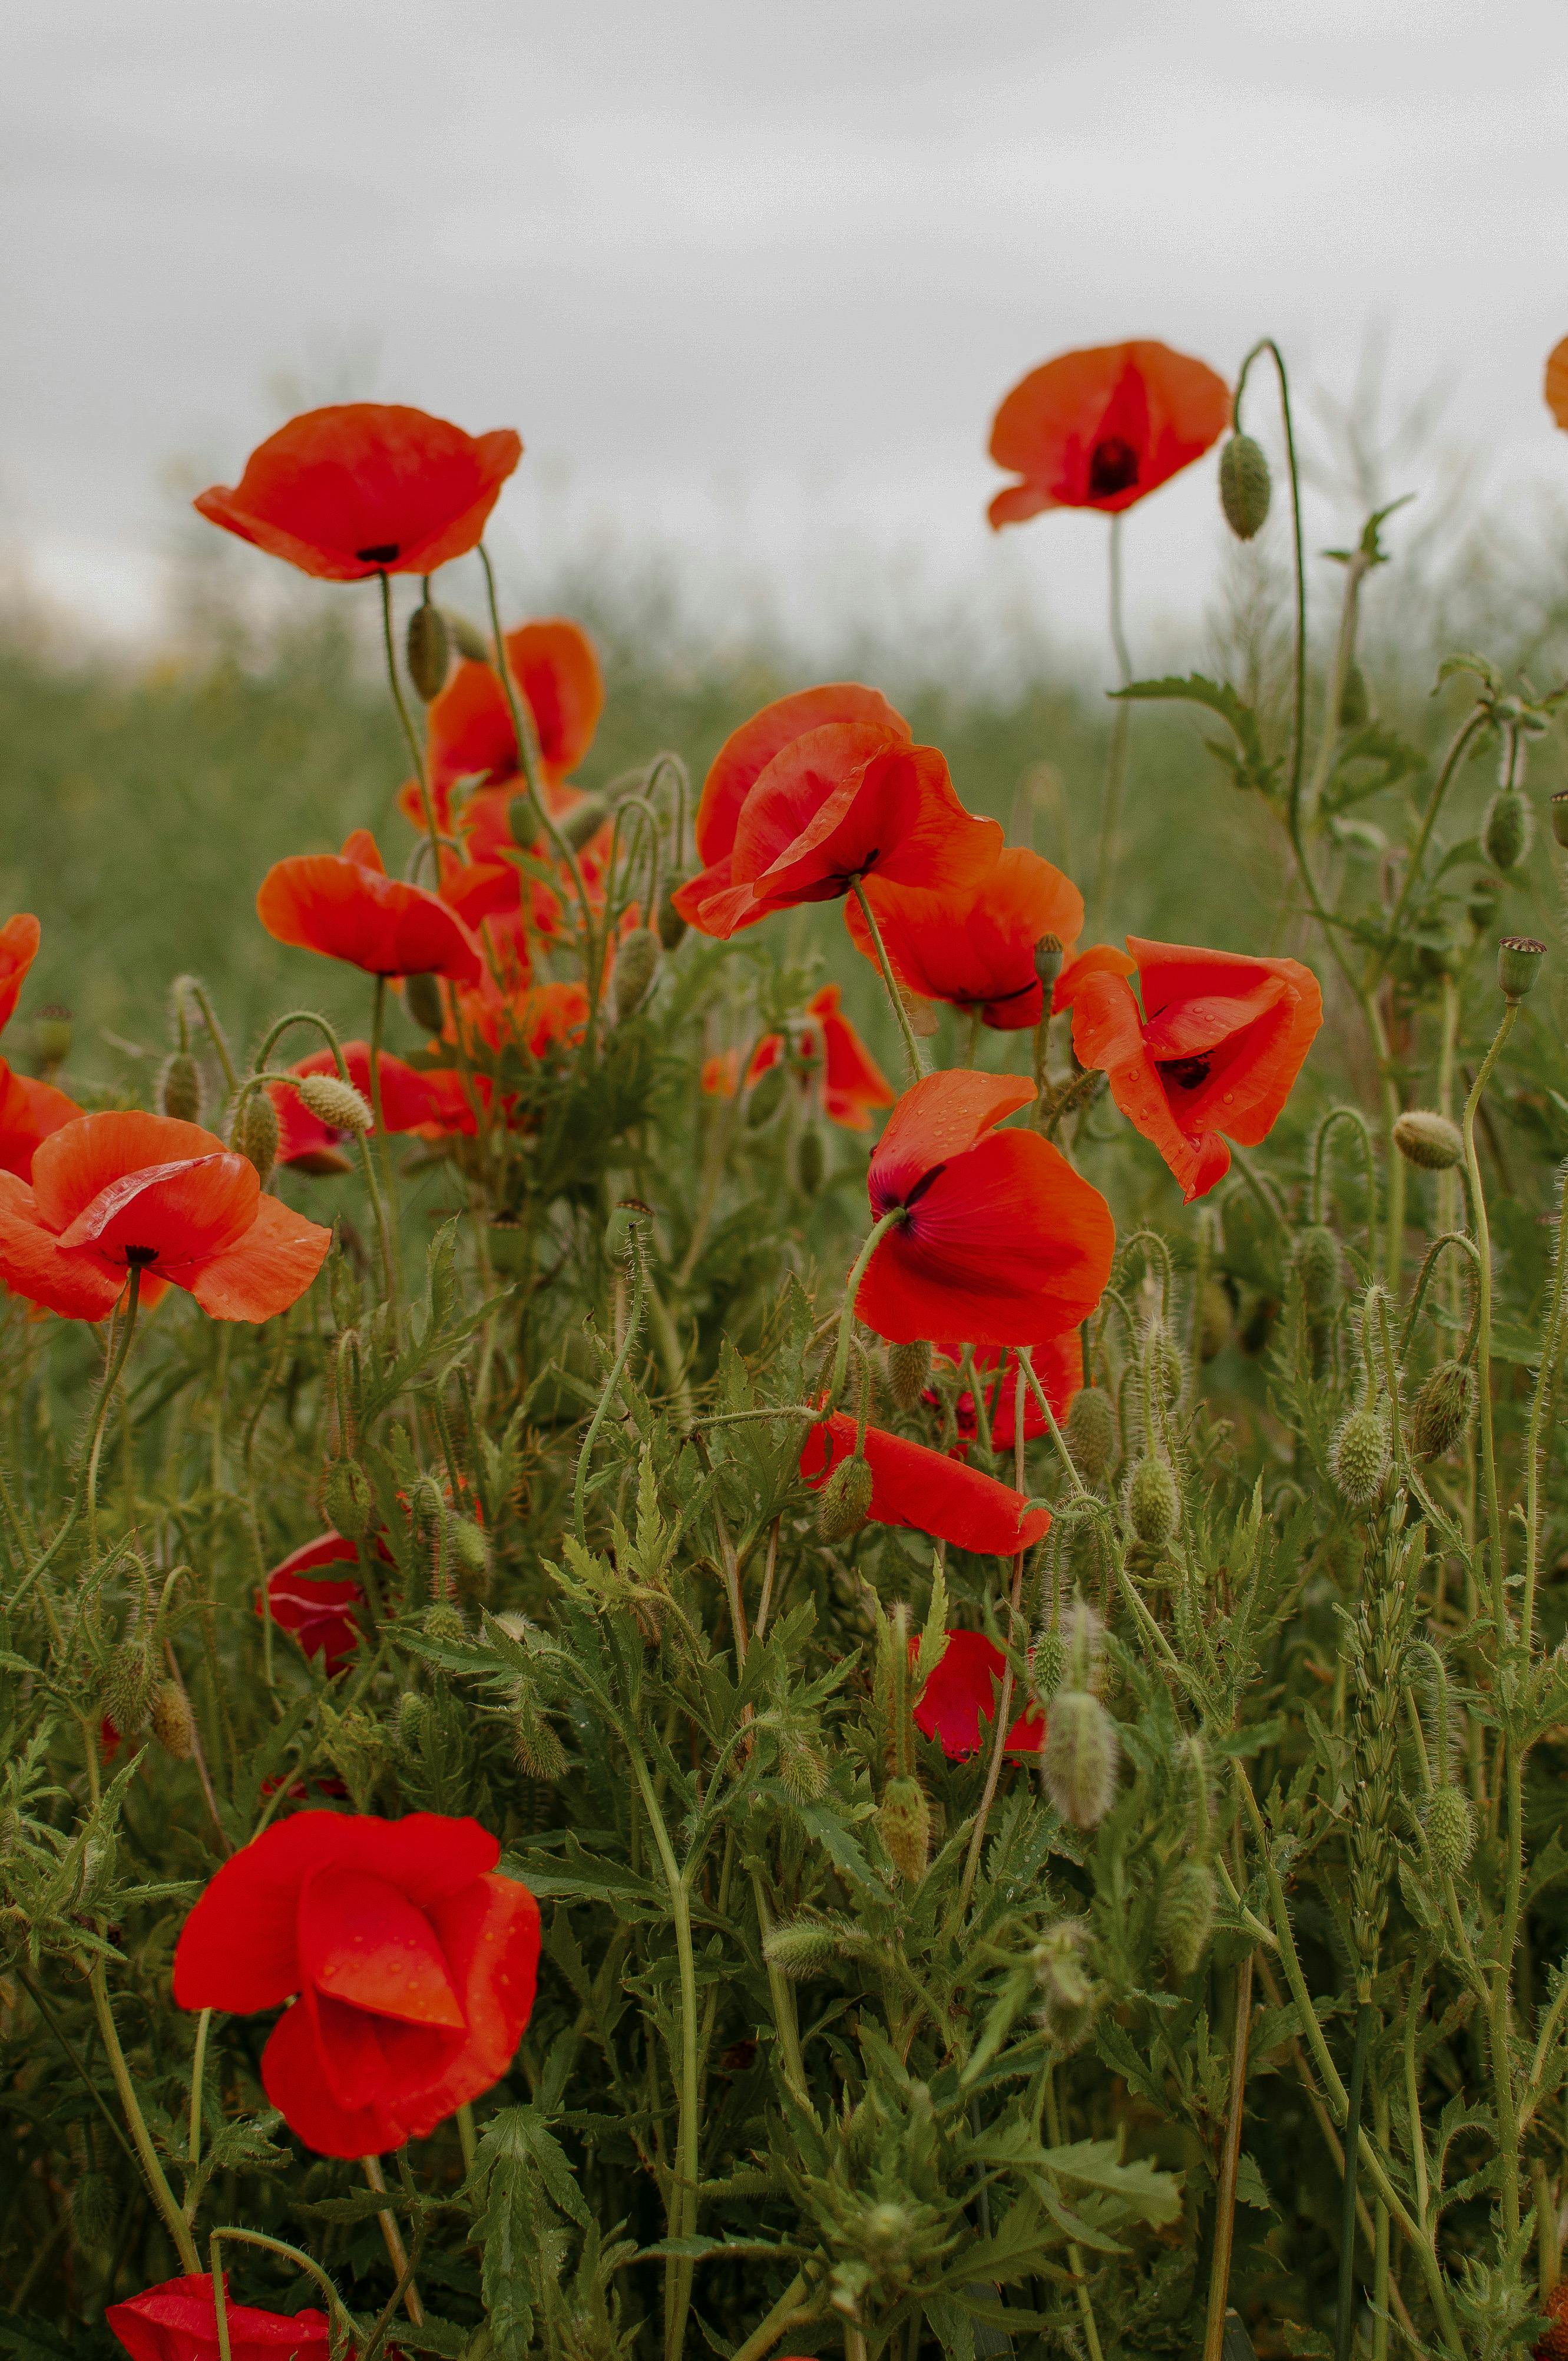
{"points": [[83, 1157], [747, 752], [172, 1214], [937, 1119], [76, 1286], [961, 1693], [29, 1112], [362, 1940], [19, 939], [297, 2079], [927, 1490], [490, 1935], [265, 1271]]}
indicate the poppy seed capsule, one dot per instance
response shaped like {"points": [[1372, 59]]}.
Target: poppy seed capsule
{"points": [[180, 1087], [672, 926], [1361, 1456], [1444, 1407], [1154, 1504], [1048, 961], [800, 1949], [904, 1820], [422, 998], [1245, 485], [1320, 1265], [1428, 1140], [1519, 964], [845, 1501], [908, 1372], [347, 1501], [1185, 1918], [1450, 1828], [336, 1103], [1078, 1759], [1505, 832], [636, 965], [254, 1133], [429, 650], [1090, 1435], [173, 1724]]}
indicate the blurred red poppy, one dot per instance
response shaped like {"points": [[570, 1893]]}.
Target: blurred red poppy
{"points": [[29, 1112], [408, 1104], [1215, 1048], [469, 731], [721, 1074], [413, 1960], [318, 1609], [179, 2322], [365, 487], [19, 938], [1057, 1364], [975, 947], [1001, 1242], [125, 1191], [927, 1490], [853, 1084], [961, 1694], [1100, 428], [1556, 392], [344, 905]]}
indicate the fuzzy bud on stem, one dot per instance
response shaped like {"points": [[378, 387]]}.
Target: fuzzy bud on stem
{"points": [[173, 1724], [845, 1501], [1319, 1264], [1079, 1760], [1444, 1408], [347, 1501], [422, 998], [636, 966], [336, 1103], [908, 1372], [1430, 1141], [1361, 1456], [903, 1818], [1090, 1434], [180, 1087], [1245, 486], [1507, 828], [429, 650], [254, 1133], [1154, 1504]]}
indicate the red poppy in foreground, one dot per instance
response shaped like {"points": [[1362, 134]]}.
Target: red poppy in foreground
{"points": [[1215, 1048], [179, 2322], [1098, 429], [344, 905], [409, 1103], [317, 1608], [117, 1192], [974, 947], [853, 1084], [961, 1694], [365, 487], [927, 1490], [1058, 1366], [31, 1111], [414, 1963], [1001, 1242], [19, 939]]}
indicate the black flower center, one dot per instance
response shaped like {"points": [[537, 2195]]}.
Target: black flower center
{"points": [[384, 552], [139, 1257], [1113, 468], [1187, 1073]]}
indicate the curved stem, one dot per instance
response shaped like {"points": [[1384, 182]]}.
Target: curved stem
{"points": [[1358, 1123], [411, 735], [1418, 1293], [337, 2312], [1299, 735], [1379, 960], [174, 2221], [1116, 753], [911, 1042], [890, 1221]]}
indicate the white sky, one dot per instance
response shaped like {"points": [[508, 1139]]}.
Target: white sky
{"points": [[750, 277]]}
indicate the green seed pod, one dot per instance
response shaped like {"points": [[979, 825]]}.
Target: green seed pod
{"points": [[539, 1751], [128, 1685], [173, 1724], [413, 1714], [767, 1098], [1048, 1665], [845, 1501], [1047, 964], [336, 1103], [1185, 1918], [471, 644], [428, 649], [442, 1622], [1067, 1995], [672, 926], [1079, 1757], [1559, 816], [255, 1134], [180, 1087], [1319, 1264], [422, 998], [1450, 1828], [584, 821], [908, 1372], [1519, 964], [1430, 1141], [803, 1767], [1245, 486], [809, 1161], [903, 1817], [1354, 704], [1361, 1456], [52, 1033], [1444, 1408], [636, 965], [348, 1503], [93, 2211], [471, 1558], [1154, 1504], [1506, 831], [1091, 1435], [801, 1947]]}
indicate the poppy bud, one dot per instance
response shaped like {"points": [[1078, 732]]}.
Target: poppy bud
{"points": [[1519, 964], [1354, 704], [336, 1103], [1090, 1435], [471, 1552], [507, 1239], [127, 1686], [766, 1099], [471, 644], [636, 965], [1245, 486], [908, 1372], [1083, 1638], [800, 1949], [94, 2210], [442, 1622], [180, 1087], [1361, 1456], [429, 650], [254, 1133], [1428, 1140], [422, 998], [1048, 1665], [1505, 832], [1067, 1995], [52, 1034], [1320, 1265], [173, 1724], [1559, 816], [1214, 1321], [672, 926], [1078, 1759], [1048, 961], [903, 1818], [622, 1228], [413, 1714], [347, 1501], [1444, 1407], [345, 1299], [845, 1501], [1185, 1918], [583, 822], [808, 1161], [1450, 1828], [803, 1768], [1154, 1504]]}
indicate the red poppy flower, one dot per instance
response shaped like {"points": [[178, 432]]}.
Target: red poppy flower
{"points": [[408, 1104], [29, 1112], [1003, 1241], [344, 905], [927, 1490], [853, 1084], [1215, 1048], [721, 1074], [469, 731], [1057, 1364], [1100, 958], [120, 1191], [365, 487], [961, 1694], [1100, 428], [318, 1610], [19, 938], [975, 947], [179, 2322], [529, 1017], [412, 1960]]}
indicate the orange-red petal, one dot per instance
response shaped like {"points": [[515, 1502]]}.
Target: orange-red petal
{"points": [[1103, 427], [344, 907], [29, 1112], [927, 1490], [263, 1272], [19, 938]]}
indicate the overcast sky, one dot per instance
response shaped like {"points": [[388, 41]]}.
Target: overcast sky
{"points": [[750, 277]]}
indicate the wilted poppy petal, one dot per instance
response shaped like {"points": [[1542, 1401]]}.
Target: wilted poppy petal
{"points": [[747, 752], [927, 1490], [263, 1272], [364, 1941]]}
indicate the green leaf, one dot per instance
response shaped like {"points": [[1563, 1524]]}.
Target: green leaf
{"points": [[1251, 2188], [1251, 767]]}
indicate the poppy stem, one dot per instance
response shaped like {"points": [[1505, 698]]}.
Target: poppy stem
{"points": [[416, 751], [174, 2222], [1117, 756], [1299, 734], [1484, 1325], [112, 1379], [911, 1043], [890, 1221], [397, 2253], [342, 2326], [634, 1321]]}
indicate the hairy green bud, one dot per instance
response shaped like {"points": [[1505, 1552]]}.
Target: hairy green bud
{"points": [[1090, 1431], [809, 1161], [347, 1501], [803, 1767], [1559, 817], [1185, 1918], [767, 1097], [1450, 1828], [903, 1818], [1320, 1265], [584, 821], [538, 1748], [1080, 1758], [173, 1724], [422, 998], [1361, 1456], [1444, 1408], [255, 1134], [1506, 829], [180, 1087], [428, 649], [801, 1947], [1154, 1504], [1048, 1665], [636, 966], [443, 1621], [128, 1685], [908, 1372], [1067, 1996], [672, 926], [1214, 1318], [845, 1501], [1430, 1141], [414, 1712], [1083, 1642], [336, 1103], [1245, 486]]}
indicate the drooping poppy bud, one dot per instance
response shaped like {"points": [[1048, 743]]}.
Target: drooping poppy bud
{"points": [[1185, 1918], [422, 998], [636, 966], [1154, 1504], [845, 1501], [1214, 1321], [1519, 964], [584, 821], [1091, 1435], [1361, 1456], [255, 1134], [903, 1820], [801, 1947], [1428, 1140], [766, 1099], [348, 1503], [128, 1685], [180, 1087], [429, 650], [908, 1372], [1245, 486], [809, 1161], [336, 1103], [1319, 1264], [672, 925], [173, 1724], [1444, 1407], [1080, 1758], [1507, 828], [1450, 1828]]}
